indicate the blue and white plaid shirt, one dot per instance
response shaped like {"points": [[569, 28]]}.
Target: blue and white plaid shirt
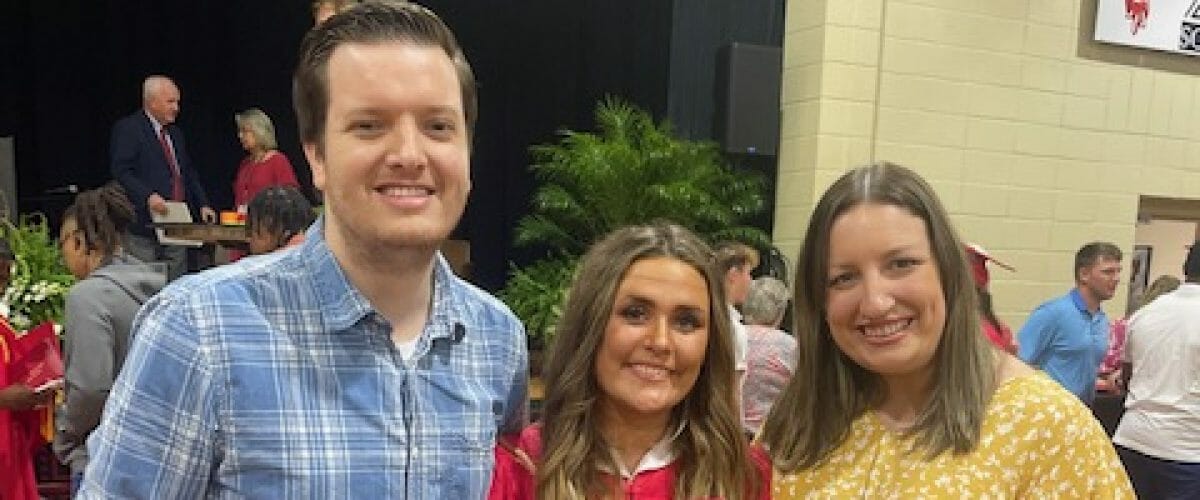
{"points": [[275, 378]]}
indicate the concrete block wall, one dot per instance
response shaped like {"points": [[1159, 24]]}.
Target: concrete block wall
{"points": [[1037, 138]]}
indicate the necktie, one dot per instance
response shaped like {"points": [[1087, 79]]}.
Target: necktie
{"points": [[176, 178]]}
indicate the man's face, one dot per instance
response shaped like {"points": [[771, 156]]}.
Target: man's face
{"points": [[248, 139], [1101, 278], [163, 104], [396, 165], [737, 282], [262, 241]]}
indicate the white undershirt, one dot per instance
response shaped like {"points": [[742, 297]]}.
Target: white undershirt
{"points": [[408, 349], [659, 456]]}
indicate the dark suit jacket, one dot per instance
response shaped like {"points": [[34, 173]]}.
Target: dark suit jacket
{"points": [[140, 165]]}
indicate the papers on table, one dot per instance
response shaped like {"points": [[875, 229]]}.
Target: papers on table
{"points": [[177, 213]]}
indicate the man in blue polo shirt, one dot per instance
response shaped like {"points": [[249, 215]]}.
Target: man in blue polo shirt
{"points": [[1068, 336]]}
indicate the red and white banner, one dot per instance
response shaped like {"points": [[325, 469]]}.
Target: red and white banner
{"points": [[1167, 25]]}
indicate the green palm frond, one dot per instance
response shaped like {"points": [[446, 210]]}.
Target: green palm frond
{"points": [[537, 294], [631, 170], [540, 230]]}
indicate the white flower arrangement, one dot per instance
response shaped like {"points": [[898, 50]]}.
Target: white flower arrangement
{"points": [[38, 288]]}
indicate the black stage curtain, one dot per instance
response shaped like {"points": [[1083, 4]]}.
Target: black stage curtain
{"points": [[73, 67]]}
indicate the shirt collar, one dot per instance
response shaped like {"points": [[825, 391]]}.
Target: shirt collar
{"points": [[660, 455], [343, 305], [1081, 305], [448, 314], [1077, 299], [153, 123]]}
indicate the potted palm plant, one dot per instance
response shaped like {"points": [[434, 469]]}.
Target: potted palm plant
{"points": [[631, 170]]}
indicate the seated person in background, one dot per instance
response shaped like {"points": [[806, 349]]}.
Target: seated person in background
{"points": [[112, 286], [639, 382], [896, 393], [770, 353], [277, 217]]}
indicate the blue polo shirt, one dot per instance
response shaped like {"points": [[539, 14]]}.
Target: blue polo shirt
{"points": [[1066, 341]]}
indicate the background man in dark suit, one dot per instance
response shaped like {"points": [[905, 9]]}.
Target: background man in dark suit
{"points": [[150, 160]]}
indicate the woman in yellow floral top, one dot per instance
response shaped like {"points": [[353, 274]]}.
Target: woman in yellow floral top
{"points": [[897, 393]]}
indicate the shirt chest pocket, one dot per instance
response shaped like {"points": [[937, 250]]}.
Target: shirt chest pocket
{"points": [[455, 431]]}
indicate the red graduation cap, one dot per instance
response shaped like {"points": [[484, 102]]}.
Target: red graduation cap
{"points": [[979, 258]]}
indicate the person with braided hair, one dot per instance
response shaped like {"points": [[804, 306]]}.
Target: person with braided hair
{"points": [[276, 218], [100, 308]]}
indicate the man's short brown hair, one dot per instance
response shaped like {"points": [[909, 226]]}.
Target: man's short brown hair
{"points": [[1091, 253], [369, 23]]}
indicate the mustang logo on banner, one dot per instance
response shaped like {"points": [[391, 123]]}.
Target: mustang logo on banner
{"points": [[1166, 25]]}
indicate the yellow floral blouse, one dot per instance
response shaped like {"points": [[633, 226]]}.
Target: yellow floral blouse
{"points": [[1038, 441]]}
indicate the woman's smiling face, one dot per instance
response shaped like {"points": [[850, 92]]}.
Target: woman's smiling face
{"points": [[656, 338], [885, 304]]}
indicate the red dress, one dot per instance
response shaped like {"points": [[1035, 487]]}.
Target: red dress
{"points": [[19, 435], [513, 480], [252, 176]]}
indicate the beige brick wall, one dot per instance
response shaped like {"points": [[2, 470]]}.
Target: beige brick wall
{"points": [[1037, 138]]}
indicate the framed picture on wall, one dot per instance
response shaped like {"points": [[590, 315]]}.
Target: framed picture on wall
{"points": [[1139, 273]]}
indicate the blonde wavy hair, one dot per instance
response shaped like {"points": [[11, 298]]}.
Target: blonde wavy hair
{"points": [[1162, 285], [813, 415], [712, 449], [259, 124]]}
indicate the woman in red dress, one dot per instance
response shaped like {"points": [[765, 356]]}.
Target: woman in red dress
{"points": [[264, 165]]}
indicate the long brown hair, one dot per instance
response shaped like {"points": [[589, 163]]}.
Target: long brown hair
{"points": [[829, 390], [712, 448]]}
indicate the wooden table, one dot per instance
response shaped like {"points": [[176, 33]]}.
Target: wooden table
{"points": [[234, 236], [457, 252]]}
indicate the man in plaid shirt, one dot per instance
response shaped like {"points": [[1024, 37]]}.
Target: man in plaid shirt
{"points": [[355, 365]]}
